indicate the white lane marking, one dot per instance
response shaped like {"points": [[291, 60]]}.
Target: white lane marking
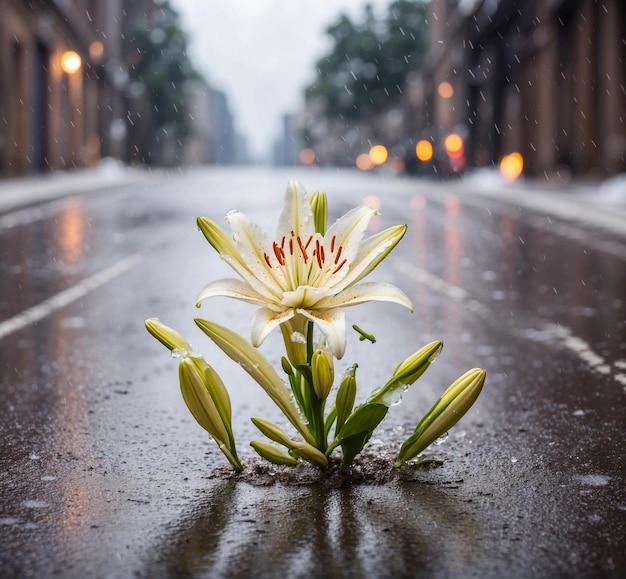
{"points": [[550, 333], [66, 297]]}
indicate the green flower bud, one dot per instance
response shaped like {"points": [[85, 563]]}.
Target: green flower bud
{"points": [[199, 402], [346, 395], [311, 454], [169, 337], [323, 373], [446, 412], [406, 373], [287, 369], [272, 431], [414, 366], [319, 206], [293, 333], [273, 454], [307, 451]]}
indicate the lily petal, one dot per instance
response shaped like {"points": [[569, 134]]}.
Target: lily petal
{"points": [[371, 252], [332, 323], [253, 245], [347, 231], [229, 252], [264, 321], [305, 296], [297, 215], [367, 292], [231, 288]]}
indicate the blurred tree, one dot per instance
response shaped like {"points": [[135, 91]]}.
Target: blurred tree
{"points": [[159, 70], [367, 66]]}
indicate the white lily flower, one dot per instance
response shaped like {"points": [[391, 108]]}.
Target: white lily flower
{"points": [[302, 272]]}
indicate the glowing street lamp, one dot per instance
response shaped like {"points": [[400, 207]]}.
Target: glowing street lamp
{"points": [[71, 62]]}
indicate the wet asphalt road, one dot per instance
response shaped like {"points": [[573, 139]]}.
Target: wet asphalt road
{"points": [[103, 473]]}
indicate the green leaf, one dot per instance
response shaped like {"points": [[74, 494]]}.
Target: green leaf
{"points": [[259, 368], [358, 429]]}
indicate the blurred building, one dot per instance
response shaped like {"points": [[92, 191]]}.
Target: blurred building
{"points": [[223, 137], [213, 138], [61, 84], [544, 78], [66, 96], [290, 143]]}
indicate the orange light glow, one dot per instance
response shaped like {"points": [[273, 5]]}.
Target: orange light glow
{"points": [[445, 90], [424, 150], [71, 62], [454, 145], [511, 166], [378, 154], [307, 156], [96, 50], [364, 162]]}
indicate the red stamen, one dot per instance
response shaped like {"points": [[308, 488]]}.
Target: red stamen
{"points": [[318, 254], [291, 247], [267, 260], [332, 244], [338, 254], [308, 242], [302, 249], [340, 266], [282, 243], [280, 254]]}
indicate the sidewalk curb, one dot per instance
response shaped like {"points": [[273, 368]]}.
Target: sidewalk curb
{"points": [[582, 204], [20, 192]]}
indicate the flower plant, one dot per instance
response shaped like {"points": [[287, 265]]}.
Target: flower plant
{"points": [[301, 282]]}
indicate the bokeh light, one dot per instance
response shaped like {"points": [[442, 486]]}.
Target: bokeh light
{"points": [[454, 145], [307, 156], [445, 90], [378, 154], [511, 166], [424, 150], [71, 62], [363, 162]]}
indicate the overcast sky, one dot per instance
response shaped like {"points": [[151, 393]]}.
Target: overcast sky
{"points": [[262, 53]]}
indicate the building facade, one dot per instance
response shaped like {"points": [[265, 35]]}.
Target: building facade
{"points": [[544, 78], [57, 91]]}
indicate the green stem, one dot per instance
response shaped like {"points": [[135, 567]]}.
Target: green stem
{"points": [[317, 409], [309, 342], [316, 405]]}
